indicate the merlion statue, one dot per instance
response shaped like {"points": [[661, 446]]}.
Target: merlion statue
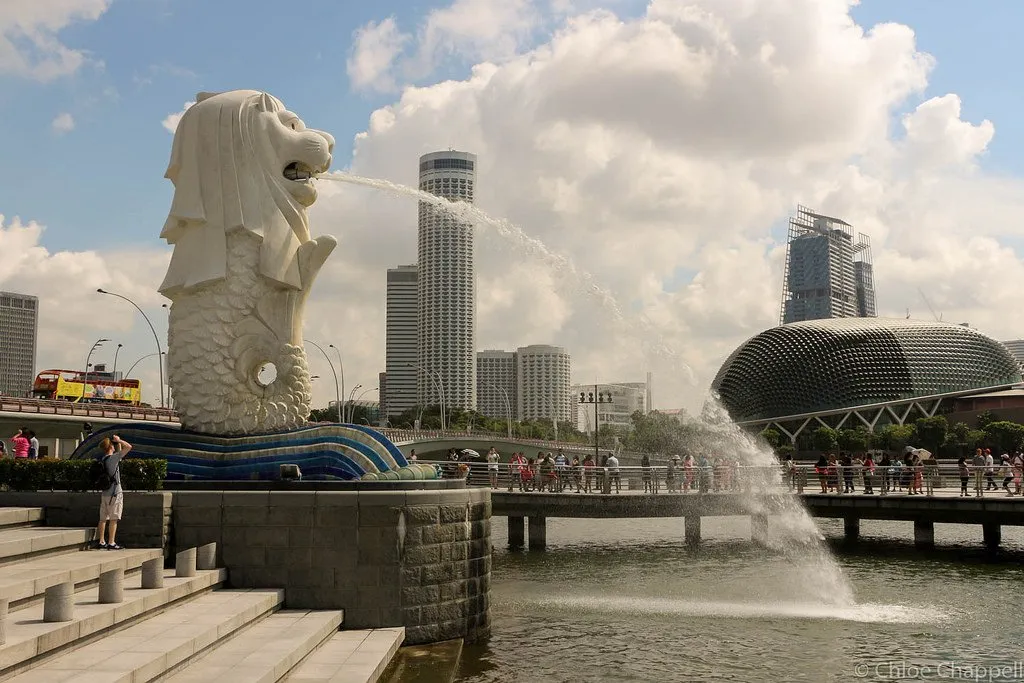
{"points": [[243, 262]]}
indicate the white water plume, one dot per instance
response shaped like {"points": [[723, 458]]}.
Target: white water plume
{"points": [[814, 571], [864, 613], [561, 267], [792, 531]]}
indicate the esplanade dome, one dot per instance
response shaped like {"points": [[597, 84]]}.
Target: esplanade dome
{"points": [[837, 363]]}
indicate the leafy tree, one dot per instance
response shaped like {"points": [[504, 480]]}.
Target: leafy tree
{"points": [[771, 437], [855, 440], [1004, 435], [976, 438], [893, 437], [931, 431], [825, 439], [956, 437], [984, 419]]}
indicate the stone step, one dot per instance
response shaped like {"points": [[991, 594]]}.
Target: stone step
{"points": [[15, 517], [265, 652], [20, 543], [350, 657], [30, 578], [30, 638], [149, 649]]}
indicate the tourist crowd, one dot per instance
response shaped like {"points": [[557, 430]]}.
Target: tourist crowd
{"points": [[913, 473]]}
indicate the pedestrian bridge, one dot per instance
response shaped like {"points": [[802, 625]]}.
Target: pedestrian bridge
{"points": [[945, 507]]}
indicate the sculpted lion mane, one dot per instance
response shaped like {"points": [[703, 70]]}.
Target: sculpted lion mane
{"points": [[243, 261]]}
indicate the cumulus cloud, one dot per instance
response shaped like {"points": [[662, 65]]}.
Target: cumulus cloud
{"points": [[170, 122], [375, 47], [30, 44], [679, 140], [72, 315], [660, 155], [478, 29], [63, 123]]}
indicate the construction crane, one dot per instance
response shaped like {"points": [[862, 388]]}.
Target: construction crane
{"points": [[938, 317]]}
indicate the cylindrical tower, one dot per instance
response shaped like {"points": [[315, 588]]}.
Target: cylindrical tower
{"points": [[447, 285]]}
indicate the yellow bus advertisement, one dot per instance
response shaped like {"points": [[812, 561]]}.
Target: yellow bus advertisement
{"points": [[72, 391]]}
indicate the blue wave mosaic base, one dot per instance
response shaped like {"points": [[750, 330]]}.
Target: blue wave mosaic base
{"points": [[332, 451]]}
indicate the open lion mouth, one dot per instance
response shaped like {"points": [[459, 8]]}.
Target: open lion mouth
{"points": [[298, 171]]}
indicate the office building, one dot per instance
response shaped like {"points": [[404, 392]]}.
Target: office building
{"points": [[19, 328], [496, 394], [626, 399], [398, 388], [1016, 349], [828, 272], [542, 383], [446, 334]]}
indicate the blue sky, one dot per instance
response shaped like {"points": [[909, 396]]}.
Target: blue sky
{"points": [[157, 54]]}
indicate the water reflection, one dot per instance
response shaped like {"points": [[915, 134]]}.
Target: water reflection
{"points": [[627, 600]]}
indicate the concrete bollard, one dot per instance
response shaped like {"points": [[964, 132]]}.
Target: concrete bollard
{"points": [[59, 602], [4, 603], [153, 573], [185, 563], [206, 556], [112, 586]]}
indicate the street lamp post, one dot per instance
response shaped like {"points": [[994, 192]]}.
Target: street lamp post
{"points": [[337, 391], [341, 368], [116, 351], [508, 407], [351, 394], [148, 355], [352, 410], [435, 377], [85, 382], [163, 403], [595, 397]]}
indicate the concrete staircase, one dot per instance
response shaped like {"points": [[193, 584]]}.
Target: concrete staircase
{"points": [[188, 627]]}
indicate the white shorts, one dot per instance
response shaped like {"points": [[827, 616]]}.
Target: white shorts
{"points": [[111, 507]]}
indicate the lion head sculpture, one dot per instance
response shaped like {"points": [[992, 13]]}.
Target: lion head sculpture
{"points": [[241, 161]]}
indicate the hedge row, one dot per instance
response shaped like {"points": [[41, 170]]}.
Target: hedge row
{"points": [[49, 474]]}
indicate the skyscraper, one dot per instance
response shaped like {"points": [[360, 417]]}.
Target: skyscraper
{"points": [[542, 379], [398, 392], [19, 327], [496, 384], [828, 274], [447, 285]]}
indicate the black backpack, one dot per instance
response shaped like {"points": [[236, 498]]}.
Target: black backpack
{"points": [[99, 476]]}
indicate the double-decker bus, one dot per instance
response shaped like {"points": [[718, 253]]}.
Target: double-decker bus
{"points": [[72, 385]]}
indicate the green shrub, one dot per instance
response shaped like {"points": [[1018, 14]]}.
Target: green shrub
{"points": [[48, 474]]}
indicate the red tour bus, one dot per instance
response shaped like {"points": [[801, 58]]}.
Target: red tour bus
{"points": [[71, 385]]}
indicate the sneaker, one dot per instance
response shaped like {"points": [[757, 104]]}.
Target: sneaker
{"points": [[100, 545], [114, 546]]}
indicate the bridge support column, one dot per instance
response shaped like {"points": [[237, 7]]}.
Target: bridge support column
{"points": [[691, 525], [516, 532], [538, 533], [851, 527], [759, 528], [993, 534], [924, 534]]}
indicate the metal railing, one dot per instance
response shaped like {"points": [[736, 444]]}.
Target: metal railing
{"points": [[43, 407], [943, 478]]}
